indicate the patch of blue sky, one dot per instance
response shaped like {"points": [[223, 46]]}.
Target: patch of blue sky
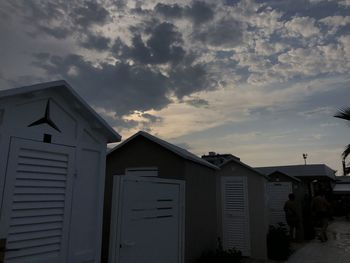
{"points": [[231, 2], [221, 54], [315, 9], [337, 96]]}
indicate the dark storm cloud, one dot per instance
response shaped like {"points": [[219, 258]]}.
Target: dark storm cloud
{"points": [[162, 46], [89, 13], [186, 80], [198, 12], [125, 88], [169, 11], [120, 87], [224, 33], [96, 42]]}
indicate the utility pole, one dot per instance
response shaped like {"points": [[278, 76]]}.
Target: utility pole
{"points": [[305, 157]]}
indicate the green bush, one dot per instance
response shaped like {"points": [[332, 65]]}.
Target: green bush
{"points": [[278, 246], [221, 256]]}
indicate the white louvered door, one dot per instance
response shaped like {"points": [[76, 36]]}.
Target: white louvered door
{"points": [[277, 195], [151, 223], [235, 214], [35, 212]]}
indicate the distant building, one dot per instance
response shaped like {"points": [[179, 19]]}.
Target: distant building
{"points": [[218, 159], [314, 177], [342, 185]]}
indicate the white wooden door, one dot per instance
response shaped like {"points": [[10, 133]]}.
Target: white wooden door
{"points": [[151, 221], [235, 214], [36, 204], [277, 195]]}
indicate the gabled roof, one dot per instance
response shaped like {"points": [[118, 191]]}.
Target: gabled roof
{"points": [[171, 147], [289, 176], [309, 170], [235, 160], [74, 99]]}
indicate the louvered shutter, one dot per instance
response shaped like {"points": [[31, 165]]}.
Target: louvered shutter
{"points": [[235, 214], [277, 196], [37, 200]]}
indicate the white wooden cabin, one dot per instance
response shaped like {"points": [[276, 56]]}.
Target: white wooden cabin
{"points": [[52, 172]]}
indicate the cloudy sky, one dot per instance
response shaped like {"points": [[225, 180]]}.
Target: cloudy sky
{"points": [[258, 79]]}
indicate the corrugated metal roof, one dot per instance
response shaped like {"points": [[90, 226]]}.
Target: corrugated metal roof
{"points": [[300, 170], [70, 94], [171, 147]]}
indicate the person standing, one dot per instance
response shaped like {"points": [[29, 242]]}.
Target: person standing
{"points": [[320, 208], [292, 217]]}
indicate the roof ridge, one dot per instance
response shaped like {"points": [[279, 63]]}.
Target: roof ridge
{"points": [[171, 147]]}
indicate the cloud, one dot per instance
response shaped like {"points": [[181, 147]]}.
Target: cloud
{"points": [[197, 102], [308, 61], [146, 57], [125, 87], [169, 11], [96, 42], [57, 19], [89, 13], [345, 3], [301, 26], [163, 45], [318, 112], [335, 23], [43, 17], [225, 33], [198, 12]]}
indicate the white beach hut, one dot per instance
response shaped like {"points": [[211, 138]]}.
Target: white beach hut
{"points": [[52, 171]]}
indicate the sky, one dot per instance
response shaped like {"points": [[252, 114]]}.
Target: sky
{"points": [[258, 79]]}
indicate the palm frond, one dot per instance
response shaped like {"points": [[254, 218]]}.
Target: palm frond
{"points": [[343, 113], [346, 152]]}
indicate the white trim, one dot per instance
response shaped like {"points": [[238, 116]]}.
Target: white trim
{"points": [[142, 171], [243, 179], [117, 208], [114, 233]]}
